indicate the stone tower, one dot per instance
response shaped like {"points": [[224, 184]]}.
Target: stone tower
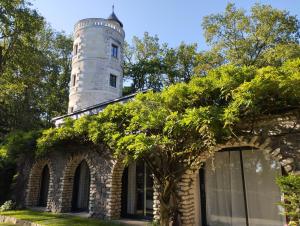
{"points": [[97, 74]]}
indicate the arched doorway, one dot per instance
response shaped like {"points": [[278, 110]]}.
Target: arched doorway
{"points": [[44, 187], [81, 188], [238, 189], [39, 188], [137, 191]]}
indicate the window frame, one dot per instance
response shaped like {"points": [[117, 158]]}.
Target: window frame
{"points": [[113, 80], [114, 51]]}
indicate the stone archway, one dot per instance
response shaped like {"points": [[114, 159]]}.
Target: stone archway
{"points": [[35, 183], [266, 145], [188, 181], [67, 182]]}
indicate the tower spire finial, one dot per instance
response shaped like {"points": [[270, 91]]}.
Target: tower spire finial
{"points": [[113, 8]]}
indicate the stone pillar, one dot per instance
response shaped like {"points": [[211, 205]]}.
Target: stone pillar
{"points": [[186, 190]]}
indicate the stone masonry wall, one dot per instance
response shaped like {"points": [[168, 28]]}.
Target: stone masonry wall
{"points": [[62, 167], [281, 143]]}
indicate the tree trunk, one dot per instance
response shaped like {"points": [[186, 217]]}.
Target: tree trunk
{"points": [[1, 59], [168, 205], [165, 212]]}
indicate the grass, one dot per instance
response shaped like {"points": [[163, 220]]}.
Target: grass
{"points": [[6, 224], [51, 219]]}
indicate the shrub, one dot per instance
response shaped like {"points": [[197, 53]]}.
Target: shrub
{"points": [[290, 186], [8, 205]]}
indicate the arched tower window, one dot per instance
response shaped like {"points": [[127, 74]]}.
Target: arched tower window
{"points": [[44, 187], [81, 188]]}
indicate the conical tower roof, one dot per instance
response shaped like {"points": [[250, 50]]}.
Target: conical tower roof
{"points": [[113, 17]]}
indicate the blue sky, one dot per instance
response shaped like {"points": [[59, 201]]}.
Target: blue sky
{"points": [[173, 21]]}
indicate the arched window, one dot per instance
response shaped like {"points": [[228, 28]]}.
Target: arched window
{"points": [[238, 189], [44, 187], [81, 188]]}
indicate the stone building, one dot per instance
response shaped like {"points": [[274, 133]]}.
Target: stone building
{"points": [[237, 188]]}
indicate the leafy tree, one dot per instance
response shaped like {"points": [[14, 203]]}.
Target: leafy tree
{"points": [[256, 39], [143, 65], [179, 63], [56, 69], [18, 28], [34, 68], [151, 65], [206, 61]]}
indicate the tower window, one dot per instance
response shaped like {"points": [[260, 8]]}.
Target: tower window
{"points": [[114, 51], [74, 80], [75, 49], [113, 80]]}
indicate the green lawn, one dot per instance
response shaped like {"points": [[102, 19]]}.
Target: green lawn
{"points": [[51, 219], [6, 224]]}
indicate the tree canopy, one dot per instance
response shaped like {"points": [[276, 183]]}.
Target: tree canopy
{"points": [[263, 37], [266, 36], [34, 68]]}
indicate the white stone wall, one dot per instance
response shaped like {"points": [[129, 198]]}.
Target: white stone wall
{"points": [[93, 63]]}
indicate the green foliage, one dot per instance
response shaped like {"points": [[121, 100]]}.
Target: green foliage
{"points": [[206, 105], [8, 205], [266, 36], [151, 65], [31, 93], [172, 129], [15, 147], [290, 187], [19, 144]]}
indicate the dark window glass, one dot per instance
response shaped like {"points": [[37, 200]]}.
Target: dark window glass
{"points": [[114, 51], [74, 80], [81, 188], [137, 192], [113, 80], [75, 49]]}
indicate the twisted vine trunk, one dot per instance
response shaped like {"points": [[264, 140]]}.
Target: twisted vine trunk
{"points": [[168, 205]]}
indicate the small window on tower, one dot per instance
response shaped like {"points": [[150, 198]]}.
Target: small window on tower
{"points": [[114, 51], [74, 80], [113, 80], [75, 49]]}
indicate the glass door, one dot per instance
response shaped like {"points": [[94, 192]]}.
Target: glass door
{"points": [[239, 190], [144, 190], [137, 191]]}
